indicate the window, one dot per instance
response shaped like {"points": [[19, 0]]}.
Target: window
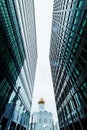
{"points": [[78, 13], [77, 99], [80, 4], [39, 120], [77, 72], [84, 88], [76, 21], [78, 39], [72, 106], [70, 39], [67, 110], [72, 34], [75, 45], [85, 14], [81, 31], [73, 28], [50, 121], [5, 90], [84, 23]]}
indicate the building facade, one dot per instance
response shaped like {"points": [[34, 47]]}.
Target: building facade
{"points": [[41, 120], [56, 126], [68, 61], [18, 56]]}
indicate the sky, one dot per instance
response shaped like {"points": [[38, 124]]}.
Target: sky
{"points": [[43, 86]]}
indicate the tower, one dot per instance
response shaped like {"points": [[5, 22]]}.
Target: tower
{"points": [[41, 104], [18, 59], [68, 61]]}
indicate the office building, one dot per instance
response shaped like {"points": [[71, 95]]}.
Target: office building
{"points": [[18, 54], [68, 61]]}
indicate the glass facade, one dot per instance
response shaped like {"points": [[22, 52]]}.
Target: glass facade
{"points": [[18, 59], [26, 18], [17, 113], [12, 52], [68, 61]]}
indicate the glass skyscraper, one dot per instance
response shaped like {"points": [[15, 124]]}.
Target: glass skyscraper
{"points": [[68, 61], [18, 53]]}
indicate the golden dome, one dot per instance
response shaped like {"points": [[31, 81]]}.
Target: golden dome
{"points": [[41, 101]]}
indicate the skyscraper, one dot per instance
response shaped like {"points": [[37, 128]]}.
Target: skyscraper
{"points": [[68, 61], [18, 52]]}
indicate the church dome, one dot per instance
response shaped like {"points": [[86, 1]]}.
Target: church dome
{"points": [[41, 101]]}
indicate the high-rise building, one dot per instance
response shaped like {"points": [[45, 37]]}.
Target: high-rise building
{"points": [[68, 61], [18, 53]]}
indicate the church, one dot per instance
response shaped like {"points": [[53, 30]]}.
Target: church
{"points": [[41, 120]]}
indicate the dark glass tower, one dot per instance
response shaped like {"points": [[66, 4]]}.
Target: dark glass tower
{"points": [[12, 52], [18, 59], [68, 61]]}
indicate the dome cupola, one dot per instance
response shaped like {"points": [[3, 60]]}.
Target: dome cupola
{"points": [[41, 101], [41, 104]]}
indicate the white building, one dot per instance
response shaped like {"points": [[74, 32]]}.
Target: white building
{"points": [[56, 126], [41, 120]]}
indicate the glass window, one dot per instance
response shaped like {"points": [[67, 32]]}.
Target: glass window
{"points": [[80, 4], [73, 28], [76, 45], [72, 106], [74, 50], [69, 45], [75, 76], [4, 91], [72, 34], [67, 110], [84, 88], [78, 39], [85, 85], [76, 21], [84, 24], [70, 60], [77, 72], [85, 14], [77, 99], [70, 39], [77, 13], [2, 83], [81, 31]]}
